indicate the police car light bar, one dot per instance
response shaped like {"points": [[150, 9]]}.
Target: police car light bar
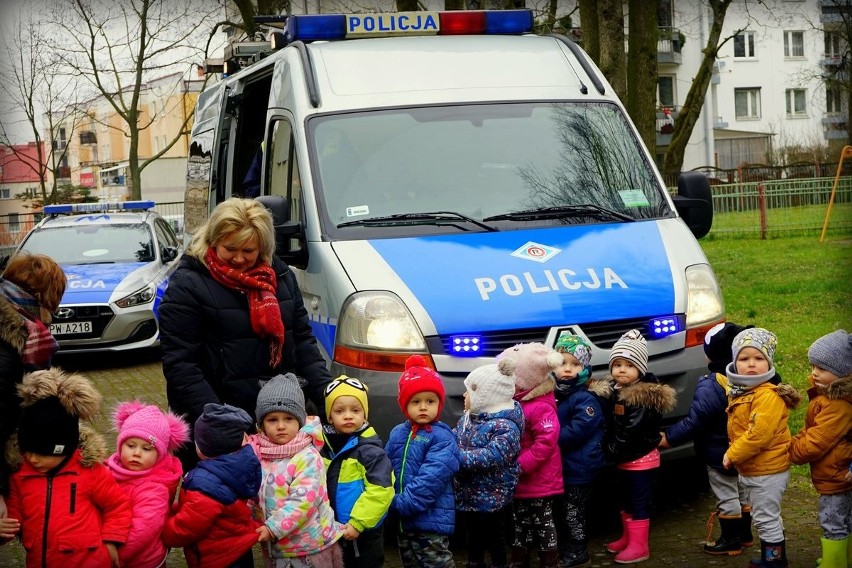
{"points": [[98, 207], [312, 27]]}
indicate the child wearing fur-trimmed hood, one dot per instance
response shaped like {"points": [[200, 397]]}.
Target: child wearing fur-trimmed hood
{"points": [[824, 442], [637, 402], [540, 482], [758, 407]]}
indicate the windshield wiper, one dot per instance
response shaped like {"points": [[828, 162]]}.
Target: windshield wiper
{"points": [[424, 218], [561, 212]]}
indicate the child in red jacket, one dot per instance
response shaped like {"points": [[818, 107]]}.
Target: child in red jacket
{"points": [[212, 520], [70, 510]]}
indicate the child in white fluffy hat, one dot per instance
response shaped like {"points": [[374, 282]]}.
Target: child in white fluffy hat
{"points": [[489, 438]]}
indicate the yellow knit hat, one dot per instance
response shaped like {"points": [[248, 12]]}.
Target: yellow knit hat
{"points": [[346, 386]]}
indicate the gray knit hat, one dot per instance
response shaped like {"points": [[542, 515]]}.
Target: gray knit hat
{"points": [[833, 352], [220, 429], [761, 339], [281, 394], [633, 347]]}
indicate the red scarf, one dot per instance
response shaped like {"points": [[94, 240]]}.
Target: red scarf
{"points": [[259, 285]]}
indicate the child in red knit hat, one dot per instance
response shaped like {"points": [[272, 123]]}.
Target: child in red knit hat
{"points": [[425, 458]]}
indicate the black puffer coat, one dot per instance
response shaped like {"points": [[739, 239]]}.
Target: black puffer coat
{"points": [[211, 354]]}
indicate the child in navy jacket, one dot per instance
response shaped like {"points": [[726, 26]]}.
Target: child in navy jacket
{"points": [[425, 458], [581, 430]]}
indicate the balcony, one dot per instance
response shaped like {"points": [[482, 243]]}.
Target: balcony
{"points": [[669, 43], [665, 125]]}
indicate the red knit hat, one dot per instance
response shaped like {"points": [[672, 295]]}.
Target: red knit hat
{"points": [[419, 377]]}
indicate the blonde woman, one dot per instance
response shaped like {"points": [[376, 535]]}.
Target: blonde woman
{"points": [[233, 317]]}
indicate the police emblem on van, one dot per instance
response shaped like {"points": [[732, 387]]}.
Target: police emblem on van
{"points": [[536, 252]]}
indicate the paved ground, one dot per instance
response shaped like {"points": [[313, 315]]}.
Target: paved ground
{"points": [[677, 529]]}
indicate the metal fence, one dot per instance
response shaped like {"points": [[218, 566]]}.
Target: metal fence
{"points": [[764, 208]]}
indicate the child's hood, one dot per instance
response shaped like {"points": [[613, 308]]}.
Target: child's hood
{"points": [[93, 449], [227, 478], [657, 396], [838, 390]]}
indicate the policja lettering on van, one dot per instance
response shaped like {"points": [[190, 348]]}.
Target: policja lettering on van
{"points": [[547, 281], [391, 24]]}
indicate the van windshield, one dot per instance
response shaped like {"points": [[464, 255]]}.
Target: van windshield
{"points": [[480, 167]]}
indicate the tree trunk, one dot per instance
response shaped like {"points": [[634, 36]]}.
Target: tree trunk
{"points": [[406, 5], [642, 70], [589, 26], [611, 36], [454, 5], [688, 116]]}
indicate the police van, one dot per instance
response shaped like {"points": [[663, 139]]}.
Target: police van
{"points": [[451, 184], [118, 258]]}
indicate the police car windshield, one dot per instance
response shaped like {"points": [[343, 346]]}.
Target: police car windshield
{"points": [[93, 244], [482, 162]]}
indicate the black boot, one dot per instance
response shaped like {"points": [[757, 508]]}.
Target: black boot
{"points": [[728, 542], [519, 557], [772, 555], [548, 559], [746, 538], [574, 554]]}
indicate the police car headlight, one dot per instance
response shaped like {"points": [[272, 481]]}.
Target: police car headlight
{"points": [[378, 321], [704, 304], [142, 296]]}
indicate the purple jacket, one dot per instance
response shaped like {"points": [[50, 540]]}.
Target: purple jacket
{"points": [[540, 460]]}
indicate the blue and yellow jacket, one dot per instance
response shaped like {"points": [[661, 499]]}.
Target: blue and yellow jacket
{"points": [[359, 476]]}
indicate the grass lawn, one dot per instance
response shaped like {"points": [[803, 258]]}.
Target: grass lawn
{"points": [[796, 287]]}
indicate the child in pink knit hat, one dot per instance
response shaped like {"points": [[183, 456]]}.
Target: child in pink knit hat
{"points": [[146, 468]]}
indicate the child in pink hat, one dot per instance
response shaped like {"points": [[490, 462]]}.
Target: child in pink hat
{"points": [[146, 468]]}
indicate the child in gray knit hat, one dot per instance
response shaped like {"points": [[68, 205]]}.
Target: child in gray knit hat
{"points": [[299, 527], [824, 441], [758, 407]]}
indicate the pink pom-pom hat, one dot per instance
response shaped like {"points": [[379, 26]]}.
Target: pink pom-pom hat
{"points": [[163, 430]]}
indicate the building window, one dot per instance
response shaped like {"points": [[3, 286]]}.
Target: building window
{"points": [[666, 90], [794, 44], [5, 193], [747, 103], [833, 46], [14, 222], [796, 102], [833, 103], [744, 45]]}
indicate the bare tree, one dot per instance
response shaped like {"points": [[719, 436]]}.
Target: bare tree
{"points": [[248, 9], [43, 98], [116, 46], [611, 42], [688, 116], [642, 69]]}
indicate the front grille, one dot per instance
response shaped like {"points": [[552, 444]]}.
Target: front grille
{"points": [[100, 316], [603, 335]]}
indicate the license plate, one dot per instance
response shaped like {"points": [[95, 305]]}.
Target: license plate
{"points": [[71, 327]]}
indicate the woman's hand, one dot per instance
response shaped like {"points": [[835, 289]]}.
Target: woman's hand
{"points": [[9, 528]]}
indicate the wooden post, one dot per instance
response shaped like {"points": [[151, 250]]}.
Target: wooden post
{"points": [[846, 153]]}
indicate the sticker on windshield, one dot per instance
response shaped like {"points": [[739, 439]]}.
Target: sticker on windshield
{"points": [[95, 252], [358, 211], [633, 198]]}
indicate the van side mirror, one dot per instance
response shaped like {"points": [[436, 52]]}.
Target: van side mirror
{"points": [[694, 202], [290, 245]]}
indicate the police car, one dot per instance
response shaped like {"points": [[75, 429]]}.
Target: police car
{"points": [[118, 258]]}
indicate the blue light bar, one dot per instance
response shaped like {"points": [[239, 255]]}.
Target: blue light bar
{"points": [[664, 326], [466, 345], [311, 27], [98, 207]]}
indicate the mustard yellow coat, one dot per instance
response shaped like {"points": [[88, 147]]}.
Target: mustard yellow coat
{"points": [[826, 440], [757, 429]]}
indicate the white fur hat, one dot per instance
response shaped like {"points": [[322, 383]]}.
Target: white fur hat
{"points": [[489, 390]]}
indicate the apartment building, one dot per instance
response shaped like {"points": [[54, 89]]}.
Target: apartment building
{"points": [[98, 146], [17, 177], [771, 85]]}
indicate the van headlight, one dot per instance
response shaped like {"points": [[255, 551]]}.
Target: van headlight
{"points": [[142, 296], [378, 320], [704, 302]]}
